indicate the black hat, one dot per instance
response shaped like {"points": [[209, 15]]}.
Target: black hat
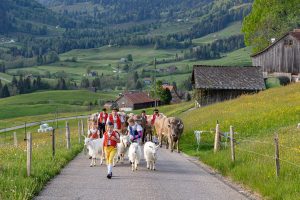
{"points": [[156, 110], [104, 109]]}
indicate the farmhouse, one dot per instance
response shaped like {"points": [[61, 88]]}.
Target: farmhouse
{"points": [[134, 100], [282, 57], [214, 84]]}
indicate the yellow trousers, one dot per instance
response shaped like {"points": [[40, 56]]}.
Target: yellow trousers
{"points": [[110, 153]]}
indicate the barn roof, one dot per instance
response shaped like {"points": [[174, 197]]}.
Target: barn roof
{"points": [[137, 97], [223, 77], [295, 34]]}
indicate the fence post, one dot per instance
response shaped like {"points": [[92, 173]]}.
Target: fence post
{"points": [[53, 143], [217, 138], [29, 152], [15, 139], [82, 128], [277, 155], [25, 132], [79, 133], [68, 135], [232, 144]]}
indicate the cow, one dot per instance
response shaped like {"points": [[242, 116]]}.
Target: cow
{"points": [[150, 155], [171, 128], [175, 126], [95, 148]]}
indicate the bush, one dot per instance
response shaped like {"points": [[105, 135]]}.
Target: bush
{"points": [[272, 83]]}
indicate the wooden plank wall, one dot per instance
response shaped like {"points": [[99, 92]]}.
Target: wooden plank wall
{"points": [[280, 57]]}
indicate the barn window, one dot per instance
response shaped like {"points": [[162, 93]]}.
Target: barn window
{"points": [[288, 42]]}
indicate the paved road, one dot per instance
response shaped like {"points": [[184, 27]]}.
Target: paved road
{"points": [[176, 177], [43, 121]]}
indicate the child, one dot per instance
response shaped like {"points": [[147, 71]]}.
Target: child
{"points": [[111, 138], [135, 131]]}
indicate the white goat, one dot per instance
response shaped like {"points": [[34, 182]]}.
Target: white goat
{"points": [[122, 148], [134, 155], [150, 155], [95, 148]]}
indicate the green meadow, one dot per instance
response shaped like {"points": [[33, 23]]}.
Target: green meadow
{"points": [[45, 104]]}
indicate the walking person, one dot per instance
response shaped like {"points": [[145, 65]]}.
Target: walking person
{"points": [[135, 131], [110, 140], [102, 119], [154, 116], [144, 124], [115, 119]]}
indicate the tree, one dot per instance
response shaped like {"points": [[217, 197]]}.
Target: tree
{"points": [[0, 87], [2, 67], [139, 85], [85, 83], [270, 19], [52, 57], [14, 81], [166, 96], [129, 57], [5, 92]]}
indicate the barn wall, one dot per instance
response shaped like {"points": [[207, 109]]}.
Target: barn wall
{"points": [[280, 57], [207, 97]]}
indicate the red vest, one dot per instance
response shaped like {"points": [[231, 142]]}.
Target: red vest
{"points": [[153, 119], [111, 119], [103, 115], [112, 142]]}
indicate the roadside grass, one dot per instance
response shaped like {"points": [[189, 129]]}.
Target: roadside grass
{"points": [[255, 118], [50, 102], [14, 183]]}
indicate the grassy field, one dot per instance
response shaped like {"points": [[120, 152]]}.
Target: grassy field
{"points": [[50, 102], [232, 29], [14, 183], [5, 78], [255, 118]]}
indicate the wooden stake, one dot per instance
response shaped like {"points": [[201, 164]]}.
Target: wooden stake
{"points": [[232, 144], [82, 128], [29, 152], [277, 163], [217, 139], [15, 139], [68, 135], [79, 132], [53, 143]]}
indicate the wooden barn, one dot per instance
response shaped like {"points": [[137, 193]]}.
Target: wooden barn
{"points": [[214, 84], [281, 57], [134, 100]]}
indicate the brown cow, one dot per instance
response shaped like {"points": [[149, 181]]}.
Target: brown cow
{"points": [[171, 128], [175, 126]]}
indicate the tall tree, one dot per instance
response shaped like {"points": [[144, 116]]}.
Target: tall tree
{"points": [[5, 91], [270, 19]]}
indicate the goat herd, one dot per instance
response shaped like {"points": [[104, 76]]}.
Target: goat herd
{"points": [[168, 129]]}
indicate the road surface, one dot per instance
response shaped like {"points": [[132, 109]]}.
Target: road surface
{"points": [[176, 177]]}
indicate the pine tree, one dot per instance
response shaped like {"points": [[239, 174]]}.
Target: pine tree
{"points": [[5, 92], [14, 81]]}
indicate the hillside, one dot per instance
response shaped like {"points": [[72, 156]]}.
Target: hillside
{"points": [[50, 102], [255, 119]]}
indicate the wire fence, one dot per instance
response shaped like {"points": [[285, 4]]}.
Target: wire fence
{"points": [[271, 150]]}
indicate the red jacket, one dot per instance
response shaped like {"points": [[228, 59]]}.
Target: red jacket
{"points": [[94, 135], [103, 116], [118, 121], [112, 142]]}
